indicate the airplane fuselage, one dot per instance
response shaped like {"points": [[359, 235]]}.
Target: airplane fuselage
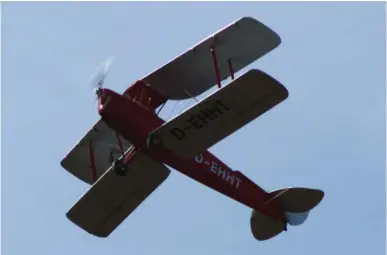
{"points": [[134, 122]]}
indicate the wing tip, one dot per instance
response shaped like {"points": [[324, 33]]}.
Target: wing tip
{"points": [[81, 175], [281, 91], [86, 228], [276, 39]]}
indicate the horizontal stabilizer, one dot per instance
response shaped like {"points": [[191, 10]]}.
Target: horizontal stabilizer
{"points": [[296, 204], [221, 114], [112, 198], [297, 200], [263, 227]]}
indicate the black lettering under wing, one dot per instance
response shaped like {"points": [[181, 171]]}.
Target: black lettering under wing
{"points": [[221, 114]]}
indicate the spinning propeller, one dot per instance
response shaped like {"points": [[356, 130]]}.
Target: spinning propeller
{"points": [[98, 78]]}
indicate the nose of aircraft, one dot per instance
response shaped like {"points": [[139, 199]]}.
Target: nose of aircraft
{"points": [[104, 97]]}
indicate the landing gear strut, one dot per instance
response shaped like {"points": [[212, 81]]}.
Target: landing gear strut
{"points": [[119, 167]]}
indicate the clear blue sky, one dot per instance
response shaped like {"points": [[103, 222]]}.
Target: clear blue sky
{"points": [[329, 134]]}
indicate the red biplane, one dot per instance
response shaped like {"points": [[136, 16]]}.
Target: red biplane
{"points": [[125, 155]]}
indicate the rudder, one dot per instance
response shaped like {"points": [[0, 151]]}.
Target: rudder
{"points": [[296, 204]]}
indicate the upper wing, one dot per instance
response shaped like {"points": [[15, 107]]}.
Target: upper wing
{"points": [[112, 198], [192, 73], [221, 114], [104, 144]]}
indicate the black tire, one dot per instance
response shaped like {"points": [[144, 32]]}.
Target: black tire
{"points": [[120, 168]]}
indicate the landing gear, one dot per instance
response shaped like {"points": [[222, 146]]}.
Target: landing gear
{"points": [[119, 167], [285, 224], [153, 141]]}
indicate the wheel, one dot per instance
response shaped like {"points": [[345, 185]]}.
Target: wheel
{"points": [[154, 141], [120, 168]]}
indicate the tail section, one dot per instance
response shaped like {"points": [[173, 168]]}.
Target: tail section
{"points": [[263, 227], [296, 219], [296, 204]]}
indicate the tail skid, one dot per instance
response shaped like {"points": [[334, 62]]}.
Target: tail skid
{"points": [[296, 203]]}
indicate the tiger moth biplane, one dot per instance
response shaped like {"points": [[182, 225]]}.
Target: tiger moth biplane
{"points": [[125, 156]]}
